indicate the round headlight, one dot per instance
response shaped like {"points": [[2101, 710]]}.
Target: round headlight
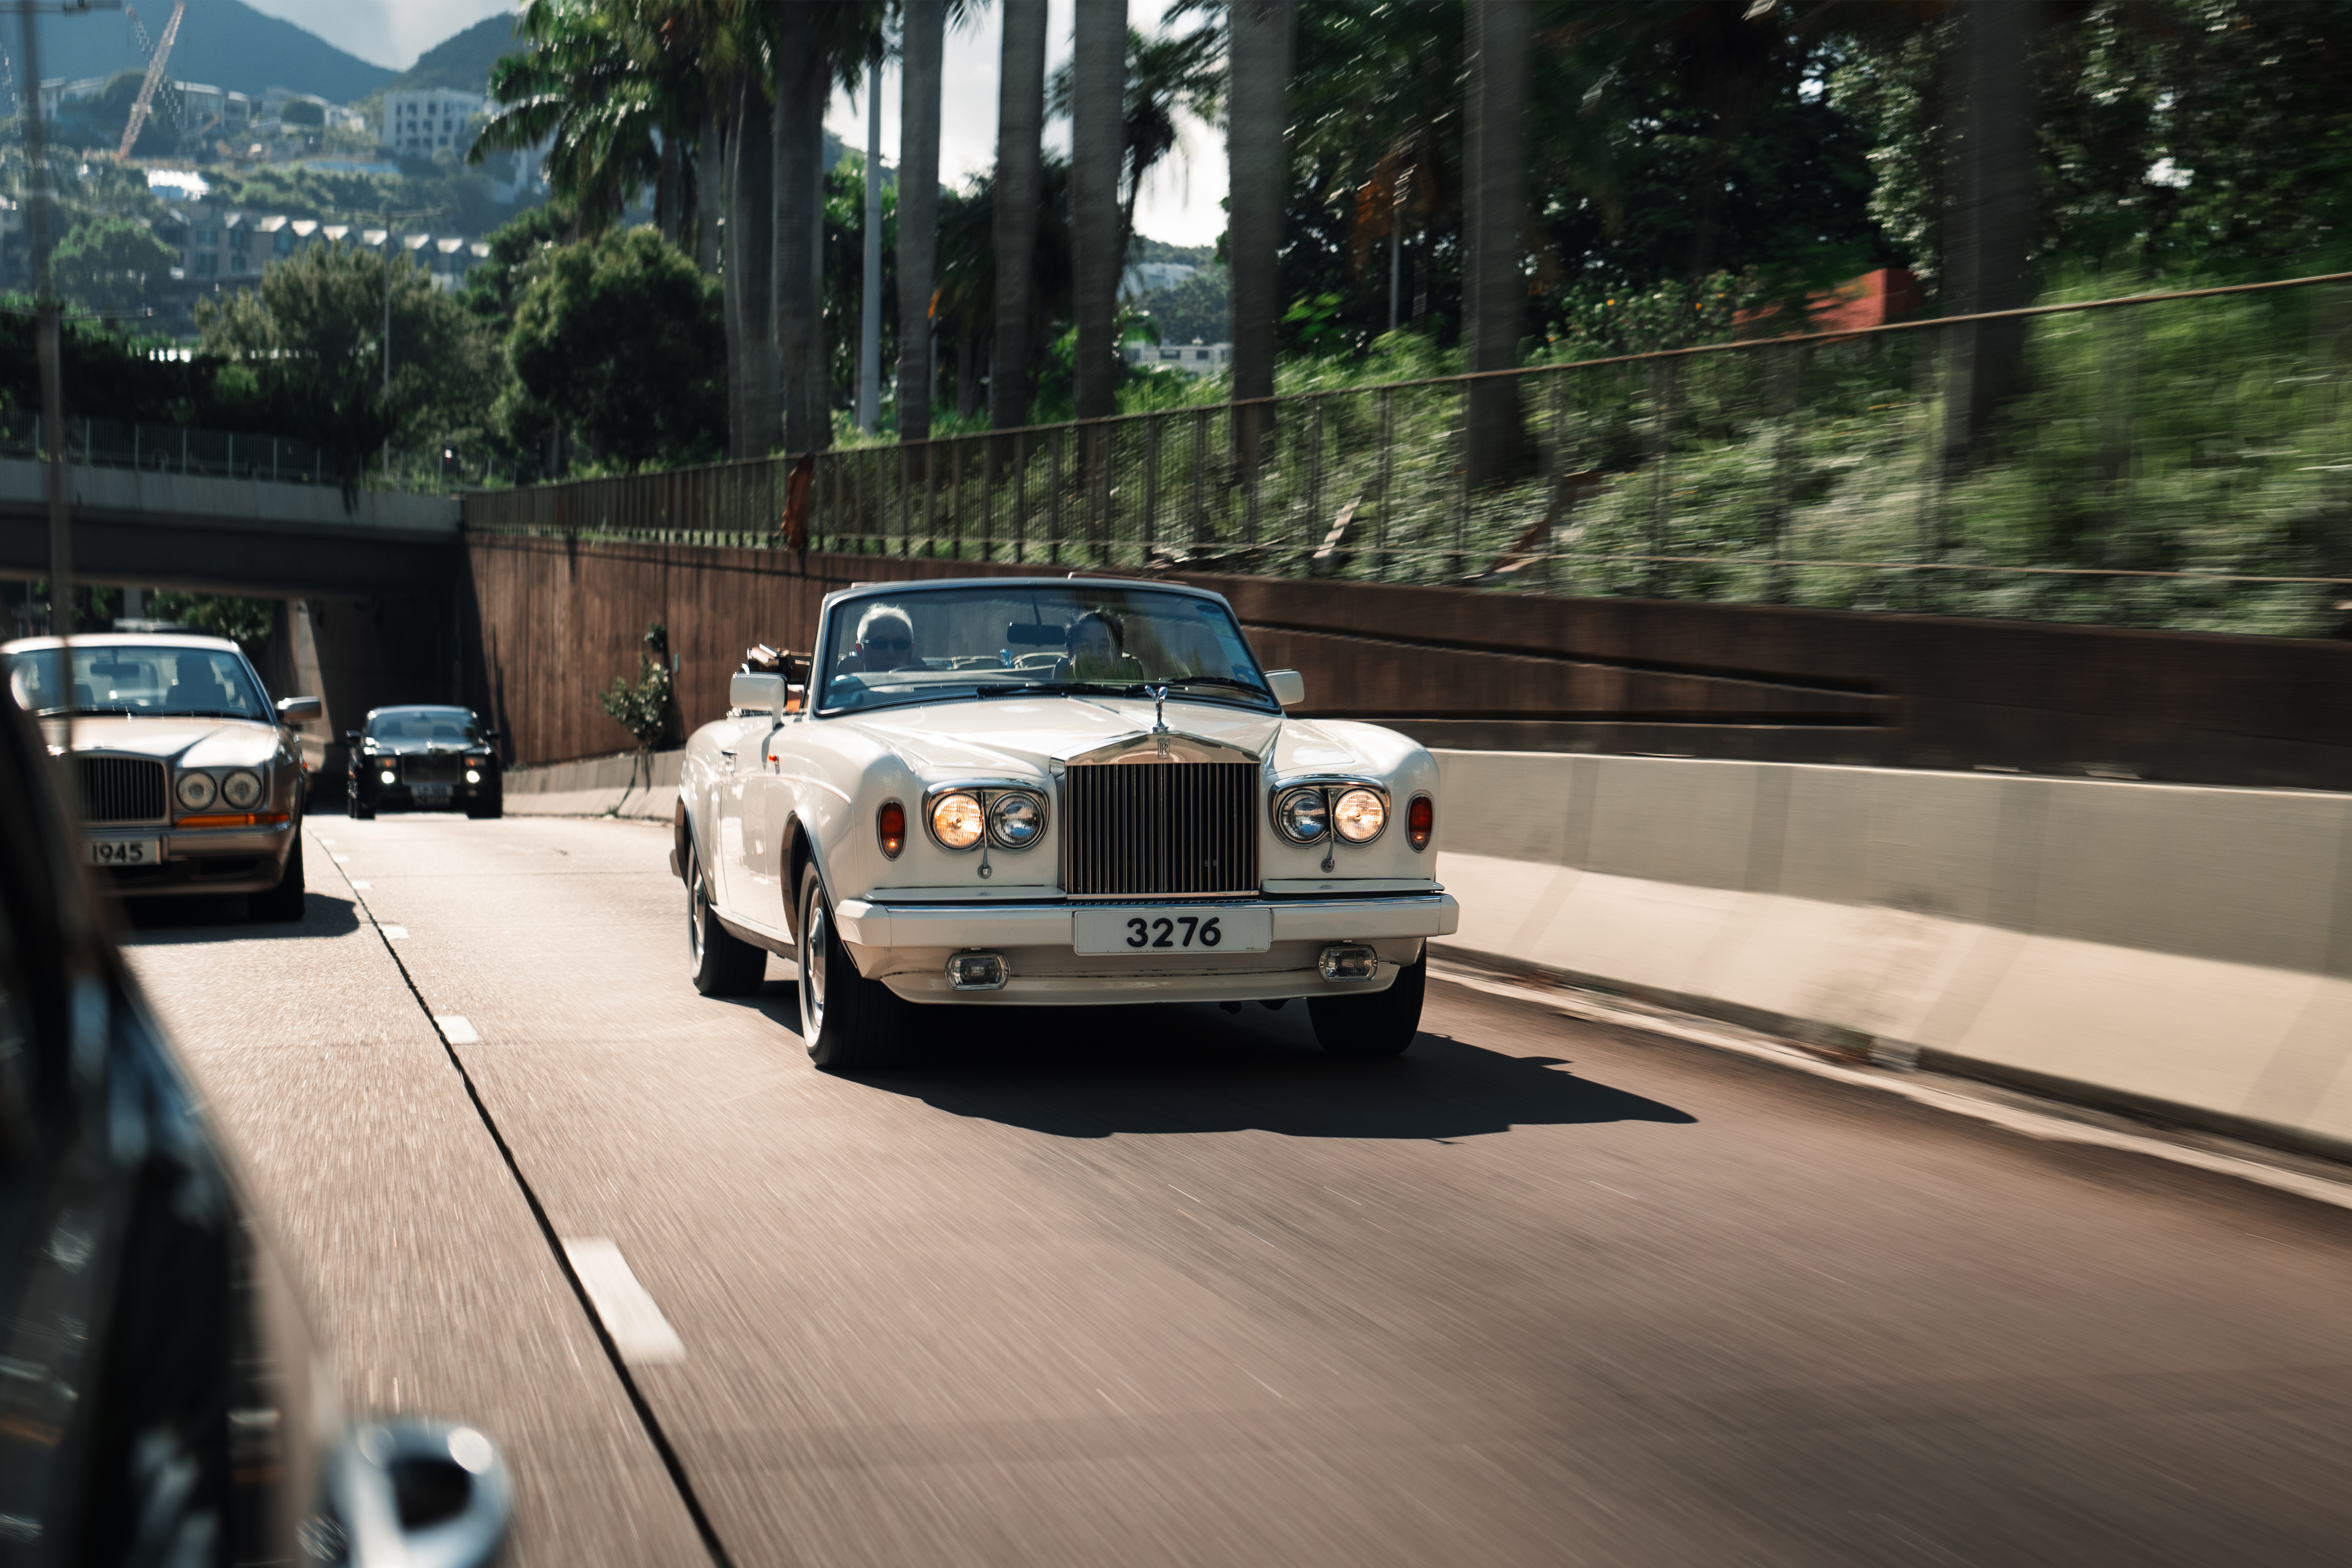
{"points": [[389, 778], [1360, 814], [196, 791], [1301, 815], [1015, 820], [242, 790], [956, 820]]}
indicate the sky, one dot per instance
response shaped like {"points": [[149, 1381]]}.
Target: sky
{"points": [[1178, 203]]}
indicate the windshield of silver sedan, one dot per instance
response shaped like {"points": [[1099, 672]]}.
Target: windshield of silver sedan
{"points": [[142, 681], [937, 645]]}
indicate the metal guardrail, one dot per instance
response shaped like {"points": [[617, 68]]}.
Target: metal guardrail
{"points": [[214, 454], [1801, 468]]}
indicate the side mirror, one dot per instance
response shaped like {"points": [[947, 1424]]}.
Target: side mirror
{"points": [[1288, 685], [755, 692], [491, 736], [352, 737], [300, 711], [795, 698], [421, 1491]]}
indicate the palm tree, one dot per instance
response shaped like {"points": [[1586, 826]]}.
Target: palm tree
{"points": [[752, 371], [1257, 61], [1493, 284], [1098, 152], [583, 88], [818, 43], [923, 42], [1020, 127]]}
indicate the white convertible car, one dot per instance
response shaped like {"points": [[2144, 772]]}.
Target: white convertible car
{"points": [[1040, 791]]}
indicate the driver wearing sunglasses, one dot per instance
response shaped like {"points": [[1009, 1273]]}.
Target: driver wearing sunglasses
{"points": [[886, 640]]}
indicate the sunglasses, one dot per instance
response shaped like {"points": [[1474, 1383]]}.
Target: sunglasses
{"points": [[889, 645]]}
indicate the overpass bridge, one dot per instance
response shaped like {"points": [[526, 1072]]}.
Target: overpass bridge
{"points": [[369, 589]]}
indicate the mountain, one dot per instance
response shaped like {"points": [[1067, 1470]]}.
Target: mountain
{"points": [[462, 60], [225, 43]]}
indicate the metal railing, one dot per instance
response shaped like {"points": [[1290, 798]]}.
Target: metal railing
{"points": [[2180, 458], [213, 454]]}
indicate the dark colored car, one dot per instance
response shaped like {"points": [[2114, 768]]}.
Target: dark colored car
{"points": [[421, 758], [161, 1400]]}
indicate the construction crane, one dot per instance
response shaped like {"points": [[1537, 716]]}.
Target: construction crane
{"points": [[154, 76]]}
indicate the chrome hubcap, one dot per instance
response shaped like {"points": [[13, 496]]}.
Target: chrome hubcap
{"points": [[816, 942], [696, 906]]}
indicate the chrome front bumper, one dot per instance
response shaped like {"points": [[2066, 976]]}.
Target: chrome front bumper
{"points": [[905, 946], [200, 860]]}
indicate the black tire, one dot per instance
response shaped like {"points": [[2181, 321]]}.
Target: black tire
{"points": [[1382, 1025], [724, 963], [488, 810], [284, 901], [360, 810], [850, 1024]]}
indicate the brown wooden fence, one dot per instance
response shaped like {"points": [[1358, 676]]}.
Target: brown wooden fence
{"points": [[551, 622]]}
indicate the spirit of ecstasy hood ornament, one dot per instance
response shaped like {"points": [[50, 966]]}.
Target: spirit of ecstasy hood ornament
{"points": [[1159, 695]]}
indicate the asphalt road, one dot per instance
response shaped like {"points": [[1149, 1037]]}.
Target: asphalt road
{"points": [[1170, 1286]]}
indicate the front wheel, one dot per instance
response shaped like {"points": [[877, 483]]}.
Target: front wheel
{"points": [[486, 809], [361, 809], [724, 963], [1382, 1024], [850, 1022], [284, 901]]}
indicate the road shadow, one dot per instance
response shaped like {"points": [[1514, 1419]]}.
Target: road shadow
{"points": [[220, 917], [1092, 1072]]}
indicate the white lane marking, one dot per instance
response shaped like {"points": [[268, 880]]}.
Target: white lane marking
{"points": [[456, 1030], [639, 1332], [324, 839], [2033, 1123], [361, 887], [343, 859], [393, 934]]}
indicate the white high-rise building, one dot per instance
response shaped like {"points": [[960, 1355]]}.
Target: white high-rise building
{"points": [[422, 122]]}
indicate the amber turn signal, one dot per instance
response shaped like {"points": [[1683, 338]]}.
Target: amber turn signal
{"points": [[890, 827], [1419, 822]]}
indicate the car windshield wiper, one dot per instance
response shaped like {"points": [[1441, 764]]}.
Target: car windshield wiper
{"points": [[70, 712], [1251, 687], [205, 713], [1047, 688]]}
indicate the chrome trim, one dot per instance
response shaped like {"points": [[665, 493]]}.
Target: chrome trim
{"points": [[985, 790]]}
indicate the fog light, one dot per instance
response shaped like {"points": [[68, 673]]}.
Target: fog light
{"points": [[473, 775], [981, 971], [1349, 960], [387, 776]]}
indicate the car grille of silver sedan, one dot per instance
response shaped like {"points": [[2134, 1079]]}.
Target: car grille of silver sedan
{"points": [[121, 789], [444, 769], [1159, 829]]}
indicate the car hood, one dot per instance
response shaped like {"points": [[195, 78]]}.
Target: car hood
{"points": [[1028, 734], [190, 742]]}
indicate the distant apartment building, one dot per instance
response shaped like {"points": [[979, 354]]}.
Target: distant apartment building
{"points": [[220, 249], [1195, 358], [206, 110], [421, 123]]}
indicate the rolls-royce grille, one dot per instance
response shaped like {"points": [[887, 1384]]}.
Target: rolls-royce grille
{"points": [[444, 768], [121, 789], [1159, 829]]}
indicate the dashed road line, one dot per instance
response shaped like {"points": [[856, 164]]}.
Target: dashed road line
{"points": [[627, 1309], [456, 1030]]}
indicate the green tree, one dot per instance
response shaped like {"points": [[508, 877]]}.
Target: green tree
{"points": [[107, 263], [310, 337], [623, 338]]}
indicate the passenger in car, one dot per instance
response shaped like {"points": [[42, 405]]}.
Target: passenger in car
{"points": [[886, 641], [1098, 651]]}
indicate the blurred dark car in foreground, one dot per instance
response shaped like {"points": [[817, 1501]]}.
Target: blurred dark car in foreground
{"points": [[420, 757], [161, 1400]]}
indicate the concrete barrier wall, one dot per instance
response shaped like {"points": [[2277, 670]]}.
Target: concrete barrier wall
{"points": [[2166, 949], [627, 784]]}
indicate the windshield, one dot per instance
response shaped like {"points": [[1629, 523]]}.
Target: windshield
{"points": [[156, 681], [425, 726], [920, 645]]}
